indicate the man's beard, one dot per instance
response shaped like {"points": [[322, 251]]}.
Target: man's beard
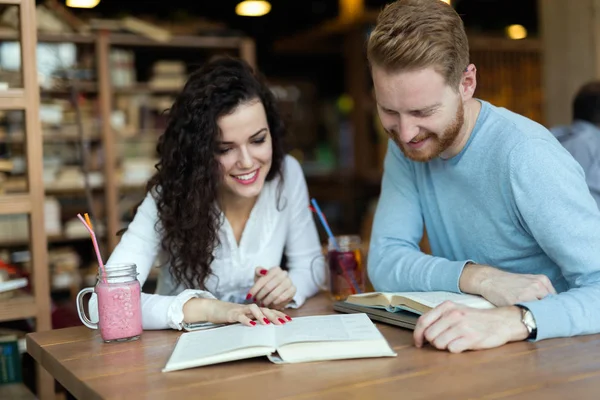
{"points": [[436, 144]]}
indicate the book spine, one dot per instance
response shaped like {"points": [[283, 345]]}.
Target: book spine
{"points": [[10, 363]]}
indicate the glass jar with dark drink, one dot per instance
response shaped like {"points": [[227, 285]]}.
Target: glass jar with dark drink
{"points": [[346, 273]]}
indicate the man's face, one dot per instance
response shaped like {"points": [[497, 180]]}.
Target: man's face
{"points": [[420, 112]]}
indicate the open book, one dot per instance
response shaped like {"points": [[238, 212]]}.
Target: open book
{"points": [[416, 302], [323, 337]]}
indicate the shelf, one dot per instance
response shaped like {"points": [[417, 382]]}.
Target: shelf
{"points": [[215, 42], [15, 204], [144, 88], [51, 240], [80, 191], [20, 306], [71, 138], [68, 37], [146, 134], [149, 135], [68, 191], [80, 87], [16, 391], [130, 39], [12, 99], [51, 139]]}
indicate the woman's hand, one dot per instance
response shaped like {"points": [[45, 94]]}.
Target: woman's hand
{"points": [[272, 288], [219, 312]]}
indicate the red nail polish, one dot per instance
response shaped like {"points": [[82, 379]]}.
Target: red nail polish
{"points": [[248, 296], [263, 271], [252, 323], [266, 321], [281, 320], [288, 318]]}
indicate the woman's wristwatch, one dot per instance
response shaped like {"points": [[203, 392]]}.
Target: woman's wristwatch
{"points": [[529, 322]]}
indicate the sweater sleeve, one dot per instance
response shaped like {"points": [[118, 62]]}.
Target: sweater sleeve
{"points": [[395, 261], [140, 245], [555, 206]]}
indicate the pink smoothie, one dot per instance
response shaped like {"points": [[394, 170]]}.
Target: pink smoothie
{"points": [[119, 309]]}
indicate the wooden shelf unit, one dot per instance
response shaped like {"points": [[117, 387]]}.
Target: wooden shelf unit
{"points": [[102, 91], [102, 42], [31, 203]]}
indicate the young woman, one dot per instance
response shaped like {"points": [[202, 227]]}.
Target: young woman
{"points": [[224, 206]]}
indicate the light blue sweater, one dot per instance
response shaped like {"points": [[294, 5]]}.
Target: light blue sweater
{"points": [[514, 199]]}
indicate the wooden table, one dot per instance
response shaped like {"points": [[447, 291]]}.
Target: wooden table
{"points": [[550, 369]]}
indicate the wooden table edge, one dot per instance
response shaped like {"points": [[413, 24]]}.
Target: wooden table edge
{"points": [[67, 379]]}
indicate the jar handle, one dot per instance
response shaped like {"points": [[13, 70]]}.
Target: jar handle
{"points": [[319, 272], [81, 311]]}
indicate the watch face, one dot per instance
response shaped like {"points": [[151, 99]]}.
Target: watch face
{"points": [[529, 320]]}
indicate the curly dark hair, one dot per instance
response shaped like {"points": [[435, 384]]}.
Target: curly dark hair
{"points": [[188, 174]]}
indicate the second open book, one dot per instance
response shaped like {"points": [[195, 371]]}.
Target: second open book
{"points": [[324, 337], [416, 302]]}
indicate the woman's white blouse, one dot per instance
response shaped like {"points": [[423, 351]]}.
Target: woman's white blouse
{"points": [[269, 232]]}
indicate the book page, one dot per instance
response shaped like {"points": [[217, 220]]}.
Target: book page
{"points": [[193, 346], [433, 299], [327, 328], [387, 297], [233, 355], [317, 351]]}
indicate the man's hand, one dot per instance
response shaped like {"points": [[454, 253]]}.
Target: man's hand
{"points": [[272, 288], [218, 312], [458, 328], [504, 288]]}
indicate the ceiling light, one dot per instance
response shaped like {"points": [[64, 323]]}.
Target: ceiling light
{"points": [[82, 3], [516, 32], [446, 1], [249, 8]]}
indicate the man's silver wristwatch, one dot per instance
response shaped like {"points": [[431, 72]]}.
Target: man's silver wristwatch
{"points": [[529, 322]]}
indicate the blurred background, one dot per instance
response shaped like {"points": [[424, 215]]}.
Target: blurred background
{"points": [[108, 69]]}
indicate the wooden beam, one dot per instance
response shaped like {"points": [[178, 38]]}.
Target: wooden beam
{"points": [[52, 37], [479, 42], [596, 35], [248, 52], [111, 195], [127, 39], [356, 77], [33, 129], [336, 27]]}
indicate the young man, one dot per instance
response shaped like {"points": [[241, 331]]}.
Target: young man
{"points": [[507, 209], [582, 137]]}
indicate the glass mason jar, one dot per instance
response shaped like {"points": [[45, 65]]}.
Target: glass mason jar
{"points": [[118, 295], [346, 272]]}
